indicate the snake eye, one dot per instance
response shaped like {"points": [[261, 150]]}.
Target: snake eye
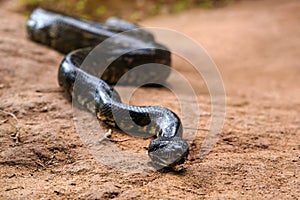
{"points": [[155, 146]]}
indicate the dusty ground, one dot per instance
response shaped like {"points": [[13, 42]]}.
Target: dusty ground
{"points": [[256, 46]]}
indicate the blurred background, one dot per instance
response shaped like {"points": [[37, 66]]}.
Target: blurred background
{"points": [[127, 9]]}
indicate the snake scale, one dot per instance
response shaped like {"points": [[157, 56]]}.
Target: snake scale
{"points": [[77, 37]]}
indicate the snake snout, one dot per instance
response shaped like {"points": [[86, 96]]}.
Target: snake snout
{"points": [[31, 24], [168, 152]]}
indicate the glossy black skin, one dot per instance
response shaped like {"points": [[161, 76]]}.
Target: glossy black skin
{"points": [[94, 94], [167, 150], [66, 34]]}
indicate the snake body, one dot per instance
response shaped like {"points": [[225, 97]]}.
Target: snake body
{"points": [[67, 34]]}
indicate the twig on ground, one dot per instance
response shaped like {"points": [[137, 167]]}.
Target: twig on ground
{"points": [[49, 90], [108, 135], [16, 136], [3, 121]]}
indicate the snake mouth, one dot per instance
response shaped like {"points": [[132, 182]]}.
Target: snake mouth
{"points": [[168, 152]]}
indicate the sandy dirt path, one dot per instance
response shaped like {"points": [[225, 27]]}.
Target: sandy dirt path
{"points": [[256, 46]]}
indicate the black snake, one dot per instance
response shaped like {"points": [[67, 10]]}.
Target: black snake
{"points": [[77, 36]]}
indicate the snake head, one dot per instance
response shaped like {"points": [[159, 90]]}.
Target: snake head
{"points": [[168, 152]]}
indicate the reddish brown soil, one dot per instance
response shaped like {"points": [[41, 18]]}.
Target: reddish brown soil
{"points": [[256, 46]]}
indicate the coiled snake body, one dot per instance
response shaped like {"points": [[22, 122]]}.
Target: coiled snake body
{"points": [[67, 34]]}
